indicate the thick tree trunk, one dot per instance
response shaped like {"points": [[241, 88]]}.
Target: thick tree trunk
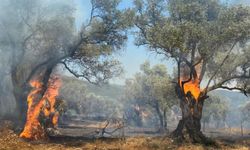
{"points": [[21, 110], [21, 89], [20, 94], [191, 118], [38, 131]]}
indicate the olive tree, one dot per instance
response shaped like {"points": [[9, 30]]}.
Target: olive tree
{"points": [[215, 109], [152, 87], [208, 40], [245, 116], [41, 35]]}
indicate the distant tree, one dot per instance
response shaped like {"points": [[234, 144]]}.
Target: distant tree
{"points": [[83, 102], [98, 106], [245, 116], [152, 87], [41, 35], [208, 41], [214, 108]]}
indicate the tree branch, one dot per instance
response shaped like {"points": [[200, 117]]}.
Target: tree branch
{"points": [[226, 80], [222, 63], [234, 88], [203, 70], [76, 74]]}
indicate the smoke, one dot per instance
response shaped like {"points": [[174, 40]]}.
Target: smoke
{"points": [[7, 100], [31, 33]]}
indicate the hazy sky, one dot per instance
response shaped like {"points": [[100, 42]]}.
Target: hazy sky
{"points": [[132, 56]]}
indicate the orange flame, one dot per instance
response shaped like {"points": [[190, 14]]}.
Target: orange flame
{"points": [[45, 105], [193, 85]]}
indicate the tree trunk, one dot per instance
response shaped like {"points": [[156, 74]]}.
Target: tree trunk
{"points": [[204, 126], [165, 119], [38, 130], [20, 94], [21, 89], [241, 128], [191, 118], [159, 113]]}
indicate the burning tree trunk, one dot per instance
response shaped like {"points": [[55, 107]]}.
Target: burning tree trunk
{"points": [[191, 103], [191, 116], [41, 105]]}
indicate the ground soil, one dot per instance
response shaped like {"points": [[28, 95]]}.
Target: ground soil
{"points": [[9, 140]]}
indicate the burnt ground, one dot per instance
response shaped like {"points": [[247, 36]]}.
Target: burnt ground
{"points": [[9, 140]]}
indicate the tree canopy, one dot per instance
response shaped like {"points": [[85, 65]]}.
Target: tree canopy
{"points": [[205, 32], [40, 36], [215, 109], [208, 40], [151, 87]]}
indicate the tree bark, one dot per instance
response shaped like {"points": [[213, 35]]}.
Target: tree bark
{"points": [[241, 128], [159, 113], [20, 94], [204, 126], [21, 89], [165, 119], [191, 118]]}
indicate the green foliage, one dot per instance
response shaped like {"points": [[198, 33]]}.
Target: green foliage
{"points": [[80, 97], [151, 87], [181, 24], [41, 34], [192, 30], [103, 34], [215, 109]]}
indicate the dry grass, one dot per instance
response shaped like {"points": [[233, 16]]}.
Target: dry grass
{"points": [[10, 141]]}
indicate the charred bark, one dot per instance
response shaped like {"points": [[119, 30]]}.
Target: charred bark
{"points": [[191, 119], [20, 93], [21, 89]]}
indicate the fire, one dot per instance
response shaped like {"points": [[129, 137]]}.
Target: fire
{"points": [[142, 112], [193, 85], [46, 105]]}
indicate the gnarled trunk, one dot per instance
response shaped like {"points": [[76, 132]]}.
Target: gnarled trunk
{"points": [[191, 118], [21, 90], [36, 121]]}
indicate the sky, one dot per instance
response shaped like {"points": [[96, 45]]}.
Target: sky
{"points": [[132, 56]]}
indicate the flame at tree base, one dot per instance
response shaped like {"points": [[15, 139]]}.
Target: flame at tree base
{"points": [[45, 105]]}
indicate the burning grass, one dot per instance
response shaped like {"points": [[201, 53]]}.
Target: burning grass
{"points": [[10, 140]]}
